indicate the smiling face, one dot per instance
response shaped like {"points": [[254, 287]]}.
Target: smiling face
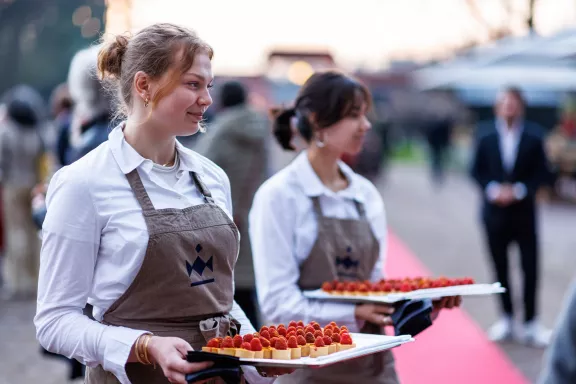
{"points": [[347, 135], [186, 97]]}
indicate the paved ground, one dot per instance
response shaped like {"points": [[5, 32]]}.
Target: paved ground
{"points": [[438, 225], [441, 227]]}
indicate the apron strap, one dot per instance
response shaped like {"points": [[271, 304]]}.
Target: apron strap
{"points": [[361, 210], [316, 206], [202, 187], [139, 191]]}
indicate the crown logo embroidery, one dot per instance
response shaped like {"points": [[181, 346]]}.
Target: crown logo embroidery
{"points": [[198, 269], [347, 266]]}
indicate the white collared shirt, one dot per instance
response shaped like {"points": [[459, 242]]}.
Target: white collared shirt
{"points": [[283, 229], [94, 242], [509, 141]]}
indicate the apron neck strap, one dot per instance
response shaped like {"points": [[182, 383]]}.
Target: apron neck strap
{"points": [[318, 208], [139, 190], [202, 187], [360, 209]]}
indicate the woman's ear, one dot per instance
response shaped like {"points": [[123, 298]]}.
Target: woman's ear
{"points": [[142, 84]]}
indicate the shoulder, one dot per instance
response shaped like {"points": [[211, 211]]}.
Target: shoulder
{"points": [[365, 190], [209, 169], [281, 187]]}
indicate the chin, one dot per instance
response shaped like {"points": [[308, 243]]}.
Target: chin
{"points": [[188, 130]]}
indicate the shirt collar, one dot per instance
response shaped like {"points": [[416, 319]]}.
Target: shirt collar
{"points": [[313, 186], [502, 128], [129, 159]]}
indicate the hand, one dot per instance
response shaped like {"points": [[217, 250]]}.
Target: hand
{"points": [[506, 195], [169, 353], [445, 303], [378, 314]]}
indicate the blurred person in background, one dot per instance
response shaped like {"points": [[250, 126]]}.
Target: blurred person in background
{"points": [[92, 113], [509, 165], [438, 132], [237, 141], [62, 105], [21, 153], [560, 359]]}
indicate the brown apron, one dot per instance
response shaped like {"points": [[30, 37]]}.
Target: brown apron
{"points": [[185, 285], [345, 249]]}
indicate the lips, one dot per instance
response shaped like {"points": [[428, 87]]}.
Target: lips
{"points": [[197, 116]]}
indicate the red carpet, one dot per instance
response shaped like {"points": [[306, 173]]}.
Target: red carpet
{"points": [[454, 350]]}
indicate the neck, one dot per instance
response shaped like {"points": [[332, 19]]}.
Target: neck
{"points": [[510, 122], [145, 139], [325, 165]]}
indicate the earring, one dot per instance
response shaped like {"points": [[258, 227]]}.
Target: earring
{"points": [[320, 143], [146, 101]]}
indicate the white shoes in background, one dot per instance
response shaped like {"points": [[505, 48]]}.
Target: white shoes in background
{"points": [[531, 334]]}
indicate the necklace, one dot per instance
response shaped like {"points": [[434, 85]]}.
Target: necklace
{"points": [[171, 163]]}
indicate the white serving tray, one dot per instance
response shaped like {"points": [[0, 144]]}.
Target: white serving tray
{"points": [[366, 344], [430, 293]]}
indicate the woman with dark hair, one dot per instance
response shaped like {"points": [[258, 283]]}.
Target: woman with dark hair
{"points": [[316, 220]]}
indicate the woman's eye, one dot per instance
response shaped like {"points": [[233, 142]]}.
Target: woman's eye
{"points": [[193, 84], [210, 86]]}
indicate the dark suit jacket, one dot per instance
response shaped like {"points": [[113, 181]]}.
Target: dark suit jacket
{"points": [[530, 169]]}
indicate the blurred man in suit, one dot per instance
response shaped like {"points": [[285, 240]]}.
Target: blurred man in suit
{"points": [[509, 166]]}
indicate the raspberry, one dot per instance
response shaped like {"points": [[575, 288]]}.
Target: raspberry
{"points": [[265, 334], [336, 338], [282, 331], [292, 342], [291, 329], [238, 341], [309, 329], [248, 337], [289, 334], [300, 332], [317, 326], [346, 339], [300, 323], [265, 342], [214, 343], [281, 344], [328, 332], [328, 287], [301, 340], [292, 324], [327, 340], [246, 346], [319, 342], [333, 323], [264, 328], [281, 326], [256, 345], [318, 334], [310, 338], [227, 342]]}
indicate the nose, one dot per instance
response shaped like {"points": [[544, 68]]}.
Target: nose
{"points": [[205, 99], [366, 124]]}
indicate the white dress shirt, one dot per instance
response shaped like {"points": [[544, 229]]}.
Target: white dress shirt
{"points": [[94, 242], [509, 140], [283, 229]]}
